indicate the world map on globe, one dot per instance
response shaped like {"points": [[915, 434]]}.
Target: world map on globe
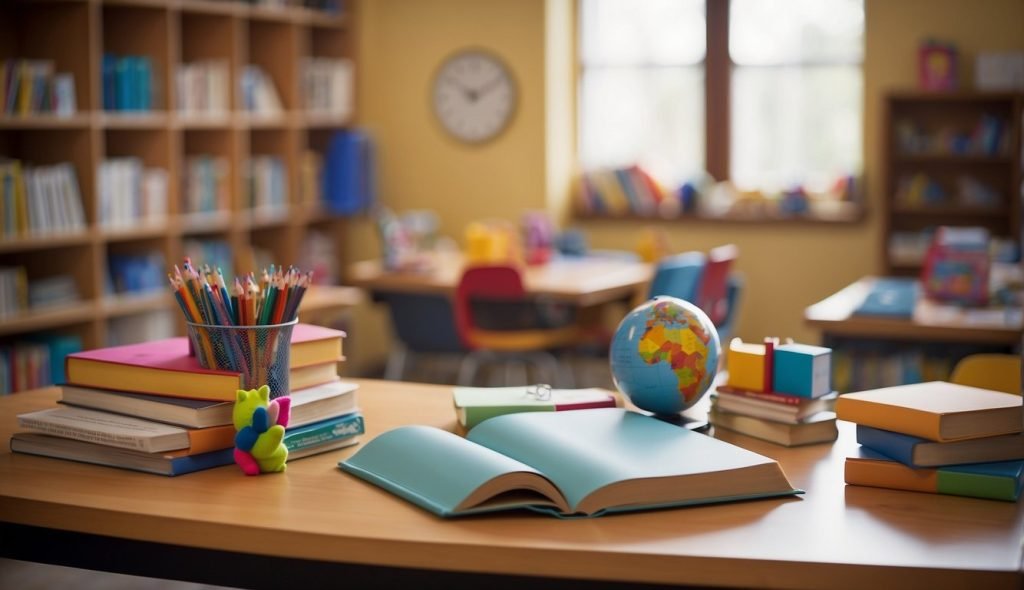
{"points": [[665, 355]]}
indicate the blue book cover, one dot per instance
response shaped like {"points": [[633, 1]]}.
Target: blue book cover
{"points": [[569, 464], [891, 297], [109, 75], [919, 452]]}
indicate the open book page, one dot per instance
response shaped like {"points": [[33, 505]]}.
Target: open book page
{"points": [[613, 458], [447, 474]]}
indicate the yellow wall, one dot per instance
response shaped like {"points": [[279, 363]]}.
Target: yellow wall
{"points": [[787, 267]]}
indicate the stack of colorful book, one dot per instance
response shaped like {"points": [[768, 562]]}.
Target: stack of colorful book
{"points": [[152, 407], [778, 393], [937, 437]]}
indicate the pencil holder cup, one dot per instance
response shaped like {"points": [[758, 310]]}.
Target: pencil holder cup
{"points": [[260, 354]]}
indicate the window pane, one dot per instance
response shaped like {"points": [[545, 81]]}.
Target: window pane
{"points": [[795, 125], [653, 117], [659, 32], [763, 32]]}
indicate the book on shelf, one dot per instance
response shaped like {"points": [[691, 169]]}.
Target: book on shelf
{"points": [[779, 407], [891, 297], [324, 435], [476, 404], [31, 86], [258, 92], [816, 428], [168, 463], [130, 193], [581, 463], [308, 405], [935, 410], [164, 367], [202, 87], [914, 451], [39, 200], [327, 85], [266, 182], [127, 432], [127, 83], [1001, 480]]}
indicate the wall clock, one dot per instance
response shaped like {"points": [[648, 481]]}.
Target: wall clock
{"points": [[474, 95]]}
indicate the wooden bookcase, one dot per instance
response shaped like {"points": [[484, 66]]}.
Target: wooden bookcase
{"points": [[74, 34], [932, 147]]}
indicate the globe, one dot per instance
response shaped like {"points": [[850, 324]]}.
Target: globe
{"points": [[664, 355]]}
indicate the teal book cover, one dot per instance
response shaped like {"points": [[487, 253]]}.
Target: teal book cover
{"points": [[570, 464]]}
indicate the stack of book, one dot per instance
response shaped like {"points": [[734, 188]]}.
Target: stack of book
{"points": [[937, 437], [151, 407], [778, 393]]}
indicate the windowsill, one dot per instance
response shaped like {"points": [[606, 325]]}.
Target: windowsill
{"points": [[849, 213]]}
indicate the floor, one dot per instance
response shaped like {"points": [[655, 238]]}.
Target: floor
{"points": [[25, 575]]}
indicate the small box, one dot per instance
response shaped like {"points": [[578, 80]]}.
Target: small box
{"points": [[746, 365], [803, 370]]}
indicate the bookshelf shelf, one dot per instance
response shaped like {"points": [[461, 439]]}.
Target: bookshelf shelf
{"points": [[939, 146], [168, 139]]}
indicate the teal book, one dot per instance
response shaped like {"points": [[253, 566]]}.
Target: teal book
{"points": [[998, 480], [325, 435], [569, 464]]}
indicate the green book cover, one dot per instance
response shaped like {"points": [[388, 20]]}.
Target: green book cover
{"points": [[999, 481]]}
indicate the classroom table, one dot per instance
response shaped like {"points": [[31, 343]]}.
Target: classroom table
{"points": [[315, 526], [583, 281], [835, 316]]}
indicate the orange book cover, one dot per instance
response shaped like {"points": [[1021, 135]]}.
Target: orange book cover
{"points": [[864, 471], [214, 438], [936, 410]]}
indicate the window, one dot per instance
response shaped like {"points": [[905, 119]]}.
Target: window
{"points": [[779, 105]]}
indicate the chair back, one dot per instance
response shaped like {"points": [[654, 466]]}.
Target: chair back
{"points": [[495, 282], [998, 372], [423, 323], [713, 290], [678, 276], [734, 294]]}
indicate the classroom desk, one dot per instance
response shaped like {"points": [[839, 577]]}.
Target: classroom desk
{"points": [[582, 281], [834, 316], [315, 526]]}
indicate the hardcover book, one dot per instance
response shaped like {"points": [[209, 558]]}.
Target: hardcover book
{"points": [[1000, 480], [325, 435], [816, 428], [476, 404], [771, 406], [937, 410], [564, 463], [126, 432], [170, 463], [308, 405], [164, 367], [914, 451]]}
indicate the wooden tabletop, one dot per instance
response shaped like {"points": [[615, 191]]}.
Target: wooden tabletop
{"points": [[835, 315], [583, 281], [835, 535]]}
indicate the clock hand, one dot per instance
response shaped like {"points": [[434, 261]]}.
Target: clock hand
{"points": [[470, 93], [491, 85]]}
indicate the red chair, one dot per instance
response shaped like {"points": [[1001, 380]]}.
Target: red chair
{"points": [[713, 290], [497, 291]]}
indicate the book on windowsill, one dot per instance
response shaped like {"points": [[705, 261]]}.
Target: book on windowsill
{"points": [[936, 410], [308, 405], [816, 428], [778, 407], [914, 451], [581, 463], [325, 435], [126, 432], [168, 463], [164, 367], [476, 404], [1000, 480]]}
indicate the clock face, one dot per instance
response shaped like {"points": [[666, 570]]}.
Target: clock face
{"points": [[474, 96]]}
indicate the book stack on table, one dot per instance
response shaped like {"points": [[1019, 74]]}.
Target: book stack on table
{"points": [[152, 407], [778, 393], [937, 437]]}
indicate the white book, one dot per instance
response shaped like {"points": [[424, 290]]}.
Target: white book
{"points": [[107, 429]]}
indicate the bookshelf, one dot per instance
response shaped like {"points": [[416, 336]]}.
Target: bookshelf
{"points": [[950, 159], [167, 35]]}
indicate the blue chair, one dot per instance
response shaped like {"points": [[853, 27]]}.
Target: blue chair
{"points": [[734, 293], [678, 276], [421, 325]]}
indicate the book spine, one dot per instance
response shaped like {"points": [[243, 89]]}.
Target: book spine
{"points": [[324, 433], [887, 444], [110, 439]]}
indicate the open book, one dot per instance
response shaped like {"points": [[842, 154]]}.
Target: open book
{"points": [[582, 463]]}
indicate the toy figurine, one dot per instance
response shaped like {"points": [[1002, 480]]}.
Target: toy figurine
{"points": [[259, 424]]}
